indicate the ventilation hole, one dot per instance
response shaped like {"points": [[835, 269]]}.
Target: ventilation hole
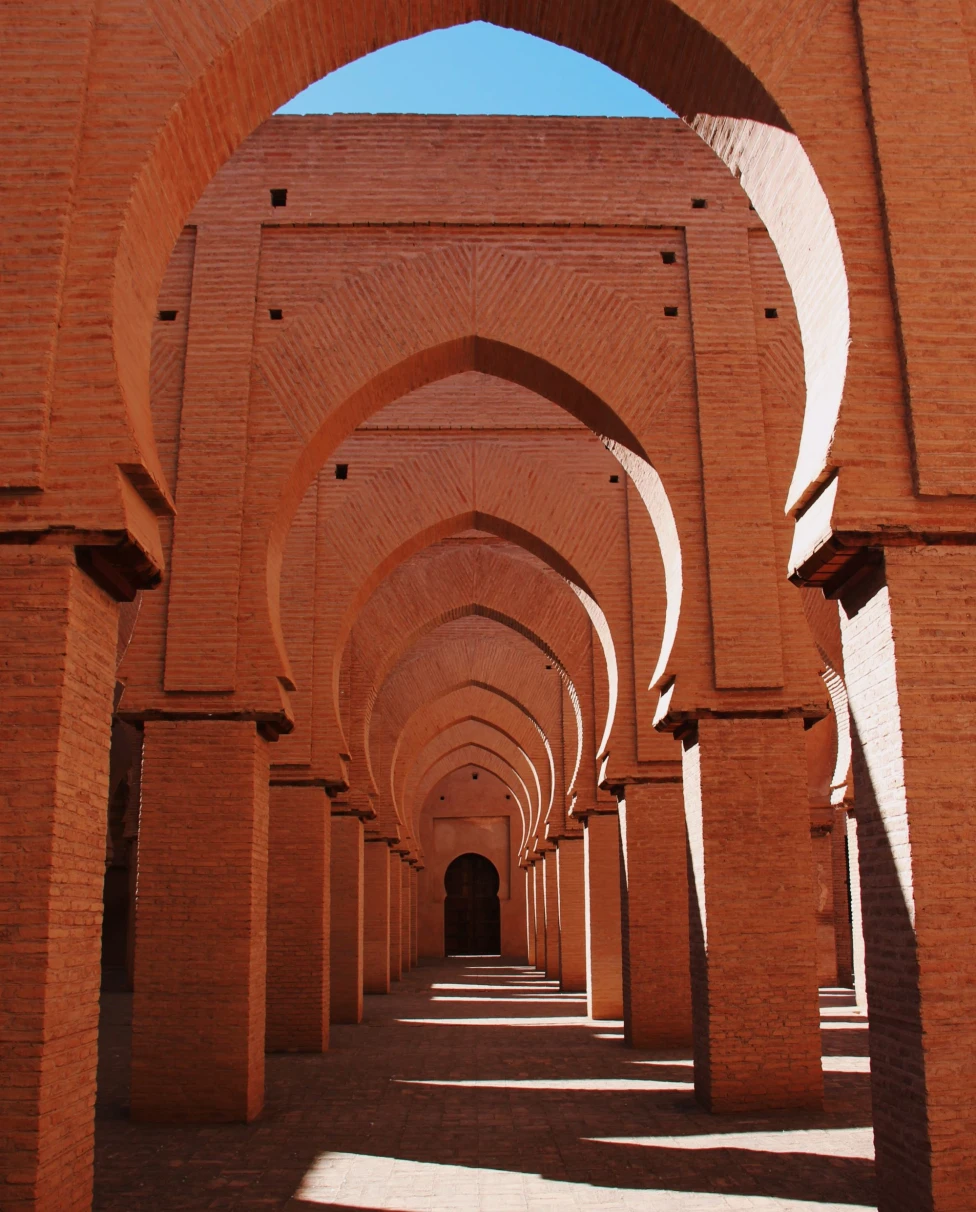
{"points": [[279, 197], [670, 311], [699, 203], [342, 471], [442, 797], [668, 257], [772, 313], [167, 316], [508, 797], [548, 666], [275, 313], [615, 479], [474, 776]]}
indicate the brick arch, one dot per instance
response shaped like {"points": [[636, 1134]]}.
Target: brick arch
{"points": [[698, 55], [406, 324], [470, 670], [459, 733], [474, 753], [432, 725], [490, 580], [520, 496], [470, 699], [475, 610]]}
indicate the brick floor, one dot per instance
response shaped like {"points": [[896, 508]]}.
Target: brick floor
{"points": [[479, 1086]]}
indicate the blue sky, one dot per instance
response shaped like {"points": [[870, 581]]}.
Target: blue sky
{"points": [[476, 69]]}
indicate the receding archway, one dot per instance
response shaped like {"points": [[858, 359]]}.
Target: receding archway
{"points": [[472, 912]]}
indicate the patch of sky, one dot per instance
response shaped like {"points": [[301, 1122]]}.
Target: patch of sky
{"points": [[477, 68]]}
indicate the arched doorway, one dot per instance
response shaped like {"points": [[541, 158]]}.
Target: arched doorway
{"points": [[472, 914]]}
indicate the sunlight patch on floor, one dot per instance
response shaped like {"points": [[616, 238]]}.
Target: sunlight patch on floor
{"points": [[630, 1085], [823, 1142], [390, 1184]]}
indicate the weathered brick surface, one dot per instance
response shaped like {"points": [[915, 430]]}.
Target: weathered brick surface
{"points": [[396, 917], [299, 844], [56, 678], [753, 942], [604, 972], [198, 1015], [654, 917], [346, 921]]}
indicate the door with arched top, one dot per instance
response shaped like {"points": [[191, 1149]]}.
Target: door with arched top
{"points": [[472, 914]]}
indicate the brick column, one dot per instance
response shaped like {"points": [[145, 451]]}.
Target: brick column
{"points": [[414, 911], [404, 868], [753, 936], [346, 966], [550, 888], [654, 912], [604, 962], [572, 915], [198, 1013], [910, 664], [396, 911], [529, 915], [299, 880], [539, 913], [842, 900], [857, 920], [376, 917], [57, 675]]}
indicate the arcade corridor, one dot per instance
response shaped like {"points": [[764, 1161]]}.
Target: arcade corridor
{"points": [[477, 1085]]}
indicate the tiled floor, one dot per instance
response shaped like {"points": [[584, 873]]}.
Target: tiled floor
{"points": [[479, 1086]]}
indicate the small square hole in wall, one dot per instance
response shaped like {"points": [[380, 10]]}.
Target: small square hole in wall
{"points": [[279, 197], [548, 666], [615, 479], [342, 471], [699, 203], [670, 311], [442, 797], [275, 313], [772, 313], [508, 797], [668, 257], [167, 316], [474, 776]]}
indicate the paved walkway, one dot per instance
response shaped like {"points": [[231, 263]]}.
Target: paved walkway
{"points": [[478, 1086]]}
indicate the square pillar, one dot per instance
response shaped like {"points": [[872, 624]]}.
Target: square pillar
{"points": [[550, 892], [654, 911], [753, 933], [376, 917], [529, 914], [843, 931], [57, 675], [299, 882], [414, 910], [346, 960], [604, 959], [396, 915], [404, 868], [909, 635], [857, 919], [572, 914], [539, 915], [198, 1013]]}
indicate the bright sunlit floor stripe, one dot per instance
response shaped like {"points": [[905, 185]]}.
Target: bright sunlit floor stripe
{"points": [[823, 1142], [557, 999], [391, 1184], [630, 1085], [568, 1020], [846, 1064]]}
